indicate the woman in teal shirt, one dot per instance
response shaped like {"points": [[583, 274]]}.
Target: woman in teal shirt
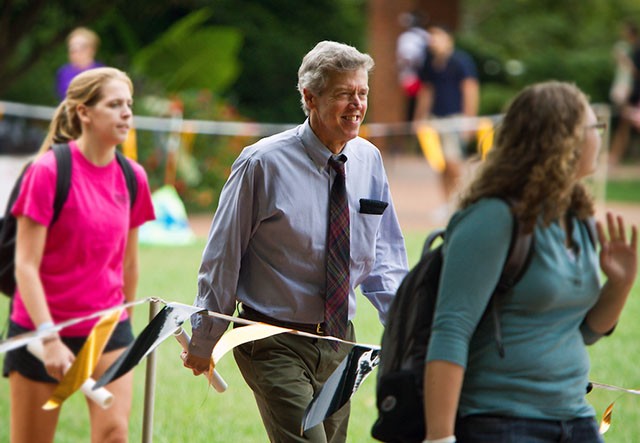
{"points": [[547, 142]]}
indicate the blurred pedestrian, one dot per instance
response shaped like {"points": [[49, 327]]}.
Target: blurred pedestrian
{"points": [[411, 49], [626, 97], [82, 45], [305, 218], [449, 88], [84, 261], [547, 143]]}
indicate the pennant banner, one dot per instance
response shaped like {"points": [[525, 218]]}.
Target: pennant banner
{"points": [[86, 360], [431, 148], [239, 336], [163, 325], [614, 388], [338, 389], [101, 396], [244, 321], [130, 145], [605, 424], [485, 137], [341, 385], [23, 339]]}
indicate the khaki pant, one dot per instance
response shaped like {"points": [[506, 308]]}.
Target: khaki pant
{"points": [[285, 371]]}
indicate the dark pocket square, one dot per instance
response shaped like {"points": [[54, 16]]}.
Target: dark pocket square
{"points": [[376, 207]]}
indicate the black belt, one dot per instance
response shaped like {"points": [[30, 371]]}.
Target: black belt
{"points": [[252, 314]]}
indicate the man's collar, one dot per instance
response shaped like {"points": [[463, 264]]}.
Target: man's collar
{"points": [[316, 150]]}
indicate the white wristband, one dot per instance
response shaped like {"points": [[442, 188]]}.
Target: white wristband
{"points": [[45, 325], [449, 439]]}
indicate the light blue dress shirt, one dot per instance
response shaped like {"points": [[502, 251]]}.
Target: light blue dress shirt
{"points": [[267, 243]]}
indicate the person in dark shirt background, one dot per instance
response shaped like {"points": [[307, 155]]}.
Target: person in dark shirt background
{"points": [[630, 111], [449, 87]]}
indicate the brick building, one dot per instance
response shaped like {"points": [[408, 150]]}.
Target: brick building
{"points": [[386, 101]]}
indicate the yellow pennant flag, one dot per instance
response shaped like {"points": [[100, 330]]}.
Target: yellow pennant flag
{"points": [[430, 144], [188, 137], [130, 145], [485, 137], [238, 336], [86, 360]]}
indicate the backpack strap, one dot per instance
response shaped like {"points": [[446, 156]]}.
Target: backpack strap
{"points": [[62, 153], [428, 243], [129, 176], [518, 257], [516, 264], [590, 224]]}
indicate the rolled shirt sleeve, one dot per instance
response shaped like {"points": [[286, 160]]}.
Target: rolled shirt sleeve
{"points": [[228, 239]]}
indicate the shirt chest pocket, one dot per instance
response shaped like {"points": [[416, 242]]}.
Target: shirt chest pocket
{"points": [[364, 230]]}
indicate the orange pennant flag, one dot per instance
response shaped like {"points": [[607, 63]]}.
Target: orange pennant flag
{"points": [[86, 360], [605, 424]]}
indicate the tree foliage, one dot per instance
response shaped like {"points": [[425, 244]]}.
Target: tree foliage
{"points": [[277, 34], [568, 40], [269, 36], [31, 29], [190, 55]]}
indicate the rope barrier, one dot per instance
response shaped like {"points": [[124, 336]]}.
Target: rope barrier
{"points": [[30, 337], [255, 129]]}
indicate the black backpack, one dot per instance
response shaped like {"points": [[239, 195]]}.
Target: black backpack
{"points": [[408, 328], [399, 392], [8, 223]]}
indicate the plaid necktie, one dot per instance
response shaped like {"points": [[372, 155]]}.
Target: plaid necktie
{"points": [[337, 292]]}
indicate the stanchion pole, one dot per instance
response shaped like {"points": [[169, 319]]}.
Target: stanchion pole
{"points": [[149, 385]]}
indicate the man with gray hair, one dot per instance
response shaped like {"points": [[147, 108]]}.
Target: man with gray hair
{"points": [[297, 229]]}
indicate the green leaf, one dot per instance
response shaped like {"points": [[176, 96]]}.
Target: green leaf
{"points": [[192, 55]]}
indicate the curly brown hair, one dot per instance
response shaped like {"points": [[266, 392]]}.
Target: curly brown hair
{"points": [[536, 154]]}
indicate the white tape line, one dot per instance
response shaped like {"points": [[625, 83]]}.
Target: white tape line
{"points": [[21, 340], [614, 388]]}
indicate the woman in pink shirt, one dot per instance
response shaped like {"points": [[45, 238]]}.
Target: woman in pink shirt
{"points": [[84, 261]]}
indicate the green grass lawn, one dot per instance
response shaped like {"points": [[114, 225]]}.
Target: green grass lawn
{"points": [[623, 191], [187, 410]]}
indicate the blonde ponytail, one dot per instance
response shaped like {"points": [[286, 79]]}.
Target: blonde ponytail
{"points": [[64, 127], [86, 89]]}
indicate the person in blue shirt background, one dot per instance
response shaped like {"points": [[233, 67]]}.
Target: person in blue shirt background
{"points": [[548, 141], [82, 44], [268, 245], [449, 87]]}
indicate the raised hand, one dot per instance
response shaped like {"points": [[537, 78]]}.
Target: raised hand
{"points": [[618, 258]]}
